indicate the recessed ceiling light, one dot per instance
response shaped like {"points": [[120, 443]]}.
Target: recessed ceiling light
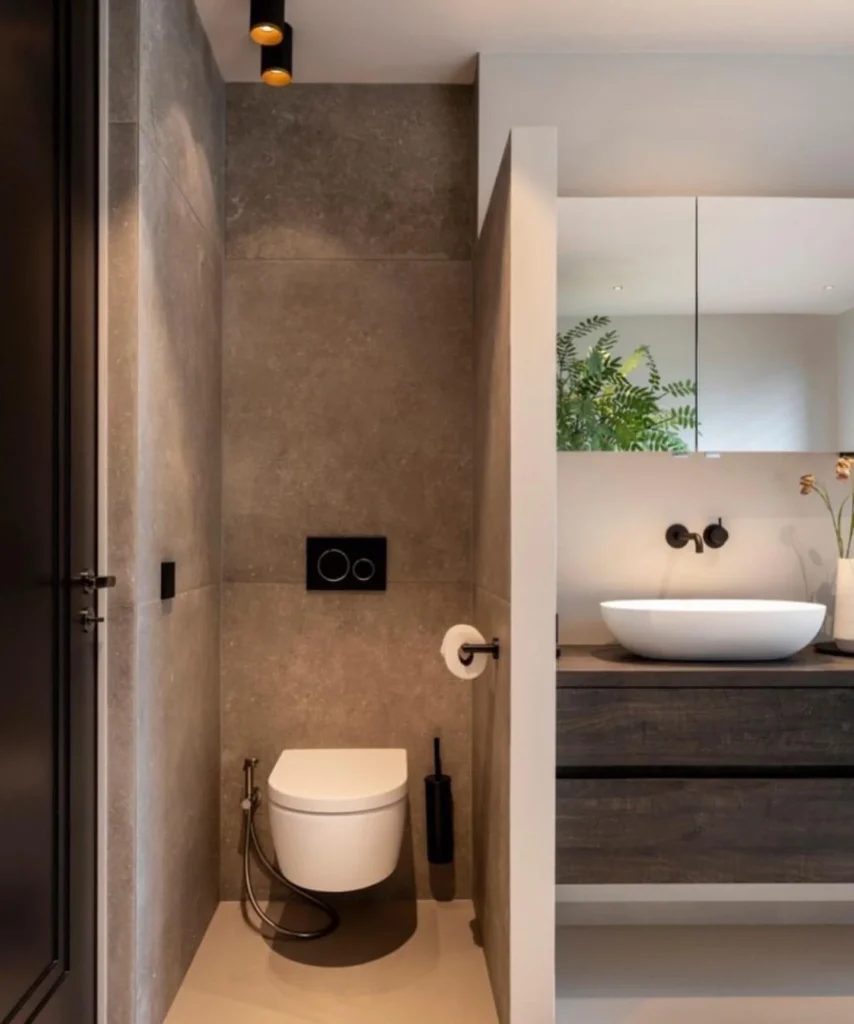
{"points": [[828, 287], [618, 287]]}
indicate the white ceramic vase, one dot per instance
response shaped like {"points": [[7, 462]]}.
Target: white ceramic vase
{"points": [[843, 615]]}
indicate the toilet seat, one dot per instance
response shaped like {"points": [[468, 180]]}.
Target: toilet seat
{"points": [[338, 781]]}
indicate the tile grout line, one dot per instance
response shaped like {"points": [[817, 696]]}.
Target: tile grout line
{"points": [[179, 594], [391, 583], [437, 260]]}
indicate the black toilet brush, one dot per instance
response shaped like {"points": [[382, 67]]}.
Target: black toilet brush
{"points": [[439, 806]]}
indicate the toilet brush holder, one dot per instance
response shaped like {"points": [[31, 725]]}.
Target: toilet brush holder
{"points": [[439, 807]]}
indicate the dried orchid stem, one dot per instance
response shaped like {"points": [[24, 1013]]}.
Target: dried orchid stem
{"points": [[839, 514], [837, 528], [850, 526]]}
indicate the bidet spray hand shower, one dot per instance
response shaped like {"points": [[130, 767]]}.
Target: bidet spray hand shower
{"points": [[249, 805]]}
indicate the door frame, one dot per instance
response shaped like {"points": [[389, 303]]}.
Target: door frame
{"points": [[81, 82], [102, 551], [67, 990]]}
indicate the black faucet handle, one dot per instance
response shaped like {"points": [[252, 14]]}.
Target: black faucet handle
{"points": [[716, 535]]}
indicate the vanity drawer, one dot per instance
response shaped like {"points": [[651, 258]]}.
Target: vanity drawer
{"points": [[619, 831], [734, 726]]}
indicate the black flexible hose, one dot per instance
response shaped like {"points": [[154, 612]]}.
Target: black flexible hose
{"points": [[251, 800]]}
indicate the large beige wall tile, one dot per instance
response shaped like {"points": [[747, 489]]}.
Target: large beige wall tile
{"points": [[347, 409], [491, 798], [178, 790], [123, 60], [122, 464], [314, 670], [122, 357], [492, 397], [164, 288], [180, 374], [121, 724], [182, 104], [358, 172]]}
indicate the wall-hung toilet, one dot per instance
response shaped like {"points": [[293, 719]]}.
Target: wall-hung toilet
{"points": [[337, 816]]}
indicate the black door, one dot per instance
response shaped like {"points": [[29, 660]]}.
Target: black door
{"points": [[48, 205]]}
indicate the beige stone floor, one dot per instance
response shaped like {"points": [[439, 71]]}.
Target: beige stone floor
{"points": [[385, 965], [663, 975]]}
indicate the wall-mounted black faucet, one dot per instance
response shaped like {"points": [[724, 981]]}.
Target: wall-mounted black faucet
{"points": [[678, 536], [715, 535]]}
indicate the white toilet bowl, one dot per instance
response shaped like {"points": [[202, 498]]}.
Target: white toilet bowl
{"points": [[337, 816]]}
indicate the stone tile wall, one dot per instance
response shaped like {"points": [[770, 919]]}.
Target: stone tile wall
{"points": [[164, 292], [347, 376]]}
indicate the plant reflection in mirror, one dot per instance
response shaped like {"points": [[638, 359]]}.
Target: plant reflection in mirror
{"points": [[842, 528], [600, 409]]}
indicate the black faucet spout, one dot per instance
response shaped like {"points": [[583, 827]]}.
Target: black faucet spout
{"points": [[678, 536]]}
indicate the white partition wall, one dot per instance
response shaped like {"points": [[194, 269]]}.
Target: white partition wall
{"points": [[516, 577]]}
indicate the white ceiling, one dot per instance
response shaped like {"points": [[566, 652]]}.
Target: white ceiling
{"points": [[436, 40], [755, 256]]}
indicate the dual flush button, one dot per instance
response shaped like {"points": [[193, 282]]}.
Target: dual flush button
{"points": [[334, 566], [346, 563]]}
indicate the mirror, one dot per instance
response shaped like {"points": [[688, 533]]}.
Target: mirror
{"points": [[627, 324], [776, 324]]}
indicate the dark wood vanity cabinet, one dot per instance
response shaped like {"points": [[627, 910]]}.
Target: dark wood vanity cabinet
{"points": [[705, 830], [728, 727], [704, 774]]}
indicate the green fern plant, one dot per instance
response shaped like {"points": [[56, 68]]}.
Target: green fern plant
{"points": [[600, 409]]}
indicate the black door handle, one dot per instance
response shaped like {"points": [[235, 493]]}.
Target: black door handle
{"points": [[88, 619], [91, 581]]}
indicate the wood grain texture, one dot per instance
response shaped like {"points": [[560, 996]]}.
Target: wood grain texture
{"points": [[732, 726], [705, 831], [611, 665]]}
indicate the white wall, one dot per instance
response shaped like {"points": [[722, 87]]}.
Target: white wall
{"points": [[613, 510], [676, 124], [532, 232], [845, 381]]}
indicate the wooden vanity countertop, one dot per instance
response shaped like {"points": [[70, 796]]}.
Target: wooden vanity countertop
{"points": [[611, 665]]}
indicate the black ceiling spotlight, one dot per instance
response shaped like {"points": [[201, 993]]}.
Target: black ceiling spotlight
{"points": [[277, 62], [267, 22]]}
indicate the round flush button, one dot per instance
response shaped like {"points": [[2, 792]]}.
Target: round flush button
{"points": [[333, 565], [364, 569]]}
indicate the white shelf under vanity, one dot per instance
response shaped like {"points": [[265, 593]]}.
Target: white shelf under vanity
{"points": [[716, 904]]}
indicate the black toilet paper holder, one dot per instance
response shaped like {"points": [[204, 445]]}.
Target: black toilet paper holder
{"points": [[468, 651]]}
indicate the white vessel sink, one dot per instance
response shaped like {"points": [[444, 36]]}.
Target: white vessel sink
{"points": [[713, 630]]}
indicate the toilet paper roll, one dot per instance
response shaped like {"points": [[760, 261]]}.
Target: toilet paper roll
{"points": [[450, 649]]}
